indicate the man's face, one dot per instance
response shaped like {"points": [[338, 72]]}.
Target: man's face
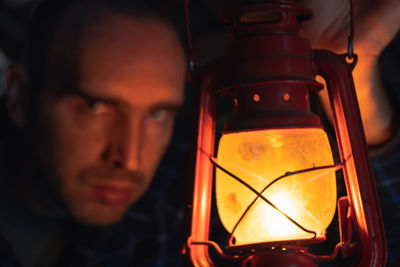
{"points": [[104, 138]]}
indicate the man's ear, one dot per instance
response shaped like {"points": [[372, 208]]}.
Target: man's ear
{"points": [[17, 95]]}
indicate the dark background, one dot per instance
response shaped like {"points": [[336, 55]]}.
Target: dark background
{"points": [[210, 37]]}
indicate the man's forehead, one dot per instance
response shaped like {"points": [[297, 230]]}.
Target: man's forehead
{"points": [[115, 29], [121, 45], [117, 44], [139, 60]]}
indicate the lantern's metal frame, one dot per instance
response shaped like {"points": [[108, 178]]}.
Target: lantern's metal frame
{"points": [[246, 72]]}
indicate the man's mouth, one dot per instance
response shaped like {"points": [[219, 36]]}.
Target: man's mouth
{"points": [[114, 193]]}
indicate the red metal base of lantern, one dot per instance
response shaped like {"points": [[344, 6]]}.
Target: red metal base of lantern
{"points": [[281, 259]]}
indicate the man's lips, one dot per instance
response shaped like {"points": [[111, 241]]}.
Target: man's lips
{"points": [[114, 193]]}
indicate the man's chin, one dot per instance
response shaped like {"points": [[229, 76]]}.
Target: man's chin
{"points": [[99, 215]]}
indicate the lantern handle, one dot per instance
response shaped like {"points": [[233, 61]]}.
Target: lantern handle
{"points": [[350, 44], [189, 38]]}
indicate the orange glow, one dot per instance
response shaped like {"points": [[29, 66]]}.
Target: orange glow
{"points": [[259, 157]]}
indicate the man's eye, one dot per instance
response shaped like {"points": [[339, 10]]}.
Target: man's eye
{"points": [[159, 115], [97, 107]]}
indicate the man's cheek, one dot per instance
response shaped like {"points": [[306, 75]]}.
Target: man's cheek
{"points": [[156, 143], [76, 146], [74, 192], [160, 135]]}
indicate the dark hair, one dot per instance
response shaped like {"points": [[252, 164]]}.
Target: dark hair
{"points": [[50, 14]]}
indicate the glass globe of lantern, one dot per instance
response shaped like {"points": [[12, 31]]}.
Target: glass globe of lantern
{"points": [[258, 157]]}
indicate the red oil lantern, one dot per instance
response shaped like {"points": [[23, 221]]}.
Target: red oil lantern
{"points": [[272, 171]]}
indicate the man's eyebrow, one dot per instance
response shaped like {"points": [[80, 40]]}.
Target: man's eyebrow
{"points": [[169, 105], [172, 106], [88, 96]]}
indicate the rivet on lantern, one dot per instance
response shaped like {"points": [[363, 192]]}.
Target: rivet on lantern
{"points": [[286, 97], [256, 98]]}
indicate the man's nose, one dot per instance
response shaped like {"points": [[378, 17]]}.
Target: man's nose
{"points": [[126, 144]]}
